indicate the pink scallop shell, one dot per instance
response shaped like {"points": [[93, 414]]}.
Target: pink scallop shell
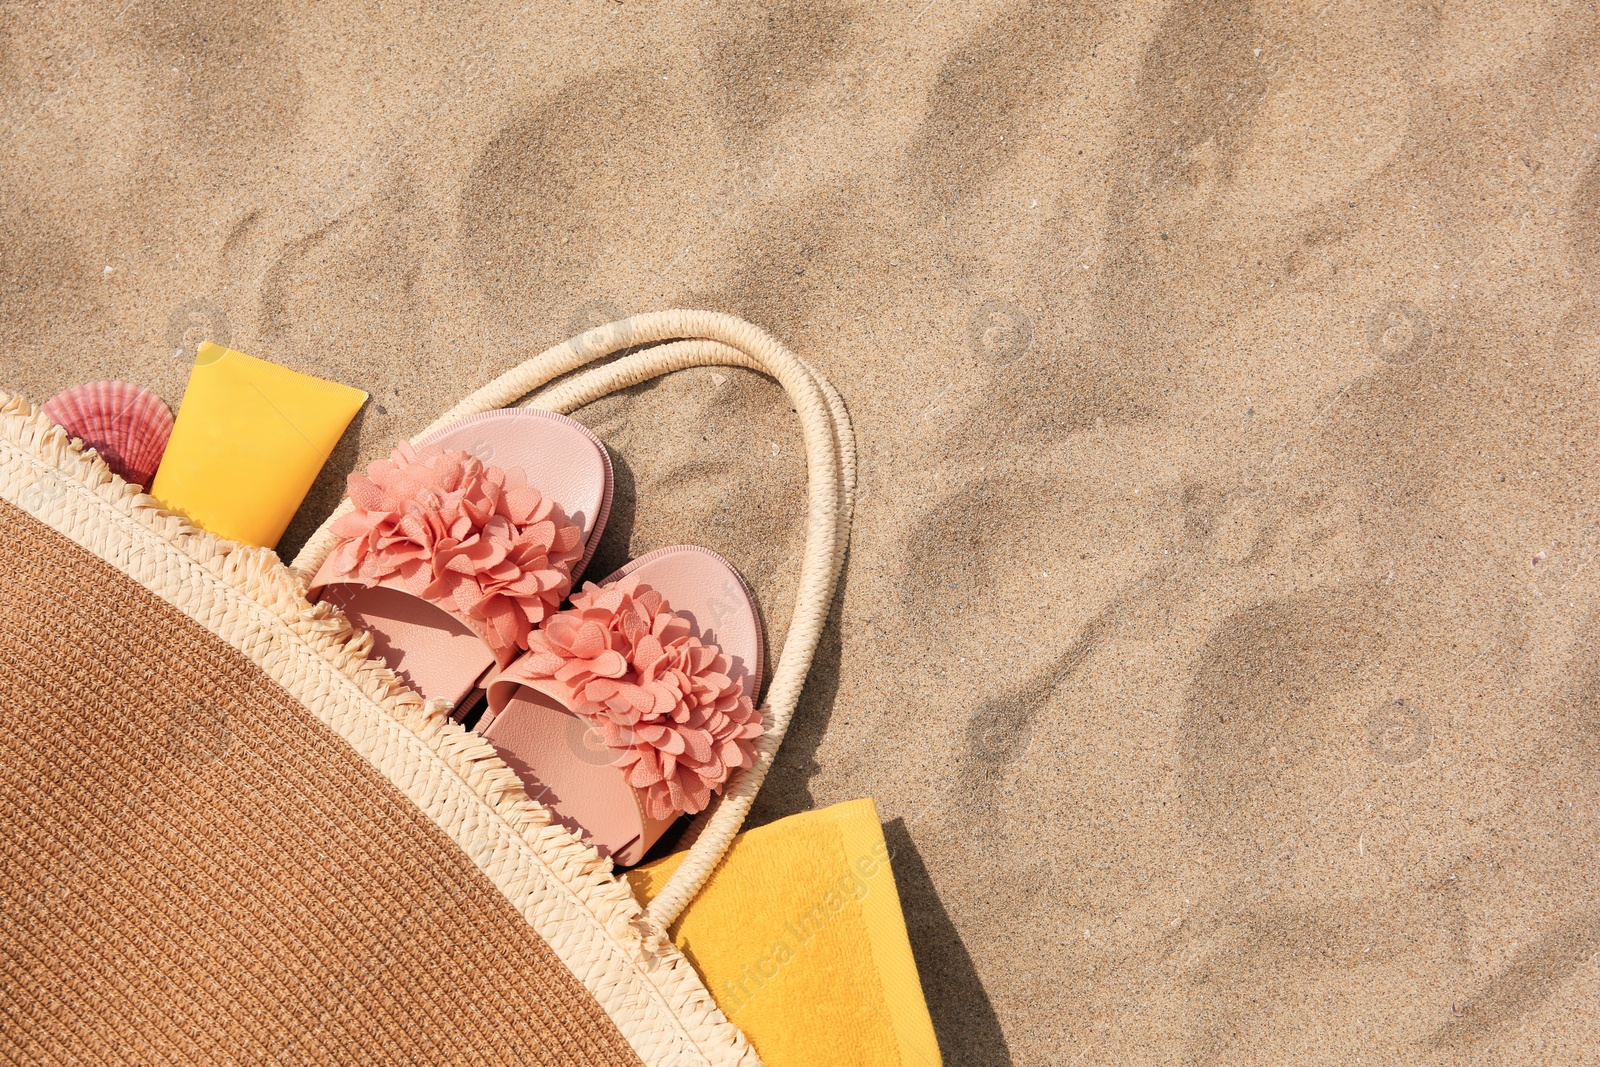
{"points": [[127, 425]]}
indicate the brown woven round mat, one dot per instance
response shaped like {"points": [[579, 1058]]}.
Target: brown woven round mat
{"points": [[231, 837]]}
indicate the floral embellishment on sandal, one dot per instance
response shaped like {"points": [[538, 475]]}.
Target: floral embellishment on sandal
{"points": [[662, 699], [476, 540]]}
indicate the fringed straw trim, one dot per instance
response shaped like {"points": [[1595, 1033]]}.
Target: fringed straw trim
{"points": [[681, 999]]}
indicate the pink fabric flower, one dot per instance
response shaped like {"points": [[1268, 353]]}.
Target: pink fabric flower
{"points": [[662, 699], [476, 540]]}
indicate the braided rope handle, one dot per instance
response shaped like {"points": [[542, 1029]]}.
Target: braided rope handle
{"points": [[675, 340]]}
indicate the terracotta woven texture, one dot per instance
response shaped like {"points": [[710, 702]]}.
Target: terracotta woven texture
{"points": [[181, 843]]}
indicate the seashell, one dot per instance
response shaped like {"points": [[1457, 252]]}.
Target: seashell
{"points": [[127, 425]]}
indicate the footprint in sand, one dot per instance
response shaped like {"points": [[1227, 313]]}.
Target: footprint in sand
{"points": [[597, 188], [765, 54], [224, 68], [1259, 712], [982, 110]]}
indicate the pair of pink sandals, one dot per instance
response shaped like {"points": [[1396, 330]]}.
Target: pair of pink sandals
{"points": [[621, 712]]}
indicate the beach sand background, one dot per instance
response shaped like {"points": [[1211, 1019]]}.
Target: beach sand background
{"points": [[1219, 637]]}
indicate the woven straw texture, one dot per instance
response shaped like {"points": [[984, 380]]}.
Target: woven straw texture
{"points": [[230, 836]]}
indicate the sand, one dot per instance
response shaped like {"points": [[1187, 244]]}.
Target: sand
{"points": [[1219, 638]]}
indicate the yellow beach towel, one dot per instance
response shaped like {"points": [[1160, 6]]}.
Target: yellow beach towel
{"points": [[799, 936]]}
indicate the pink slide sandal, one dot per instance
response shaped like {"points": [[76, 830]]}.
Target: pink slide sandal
{"points": [[636, 704], [460, 546]]}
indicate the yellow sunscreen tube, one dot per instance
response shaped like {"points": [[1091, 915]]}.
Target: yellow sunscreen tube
{"points": [[249, 440]]}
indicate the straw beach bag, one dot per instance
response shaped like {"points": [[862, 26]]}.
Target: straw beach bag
{"points": [[231, 835]]}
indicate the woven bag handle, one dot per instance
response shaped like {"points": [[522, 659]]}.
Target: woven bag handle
{"points": [[675, 340]]}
